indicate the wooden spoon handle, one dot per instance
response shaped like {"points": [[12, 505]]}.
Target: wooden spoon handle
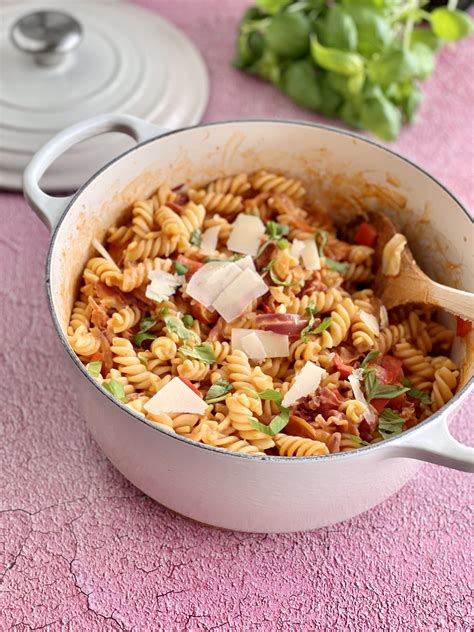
{"points": [[456, 301]]}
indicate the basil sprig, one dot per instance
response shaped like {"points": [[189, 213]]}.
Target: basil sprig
{"points": [[279, 421], [416, 393], [145, 325], [375, 390]]}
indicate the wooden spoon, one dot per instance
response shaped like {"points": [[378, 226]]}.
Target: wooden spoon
{"points": [[412, 285]]}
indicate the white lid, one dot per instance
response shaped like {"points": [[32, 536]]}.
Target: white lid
{"points": [[128, 60]]}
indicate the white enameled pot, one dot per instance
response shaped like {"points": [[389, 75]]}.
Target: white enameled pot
{"points": [[248, 493]]}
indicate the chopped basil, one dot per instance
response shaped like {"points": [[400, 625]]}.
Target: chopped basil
{"points": [[283, 244], [358, 440], [180, 268], [324, 324], [416, 393], [145, 324], [275, 230], [218, 391], [275, 426], [272, 395], [375, 390], [115, 388], [337, 266], [188, 320], [93, 368], [176, 326], [370, 357], [311, 311], [196, 238], [202, 352], [390, 424], [164, 311], [143, 359]]}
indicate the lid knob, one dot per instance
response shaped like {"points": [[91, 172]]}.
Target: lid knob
{"points": [[47, 35]]}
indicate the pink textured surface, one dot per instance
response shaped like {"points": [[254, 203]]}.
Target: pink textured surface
{"points": [[82, 549]]}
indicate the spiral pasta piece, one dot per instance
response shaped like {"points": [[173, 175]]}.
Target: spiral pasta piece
{"points": [[226, 203], [163, 348], [236, 185], [341, 318], [444, 385], [414, 360], [100, 269], [142, 222], [129, 364], [136, 275], [83, 342], [238, 371], [124, 319], [241, 409], [299, 446], [267, 181]]}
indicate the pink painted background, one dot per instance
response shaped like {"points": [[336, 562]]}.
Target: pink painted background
{"points": [[82, 549]]}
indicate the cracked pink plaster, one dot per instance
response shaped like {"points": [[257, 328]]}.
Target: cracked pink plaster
{"points": [[82, 549]]}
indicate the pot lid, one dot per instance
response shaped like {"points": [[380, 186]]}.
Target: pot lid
{"points": [[67, 61]]}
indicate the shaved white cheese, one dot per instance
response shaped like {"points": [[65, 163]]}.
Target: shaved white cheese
{"points": [[103, 252], [162, 286], [247, 231], [246, 262], [176, 397], [209, 281], [370, 321], [306, 382], [253, 347], [246, 287], [275, 345], [209, 240], [310, 255], [297, 248], [383, 316], [354, 381]]}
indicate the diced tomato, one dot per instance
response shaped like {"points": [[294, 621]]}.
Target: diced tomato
{"points": [[463, 327], [191, 386], [193, 266], [396, 403], [344, 369], [366, 235], [388, 369]]}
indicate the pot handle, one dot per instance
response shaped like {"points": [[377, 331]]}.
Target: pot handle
{"points": [[435, 444], [48, 208]]}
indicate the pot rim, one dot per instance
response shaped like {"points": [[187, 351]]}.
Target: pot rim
{"points": [[280, 459]]}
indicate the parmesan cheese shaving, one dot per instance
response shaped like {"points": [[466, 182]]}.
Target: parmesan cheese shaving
{"points": [[246, 262], [162, 286], [310, 255], [354, 381], [370, 321], [176, 397], [306, 383], [274, 345], [253, 347], [232, 301], [392, 255], [383, 316], [103, 252], [209, 281], [297, 248], [247, 231], [209, 240]]}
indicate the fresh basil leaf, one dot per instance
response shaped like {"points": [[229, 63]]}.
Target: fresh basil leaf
{"points": [[330, 99], [374, 30], [275, 426], [287, 35], [180, 268], [300, 83], [218, 391], [323, 325], [116, 389], [337, 266], [202, 352], [390, 424], [451, 25], [424, 35], [141, 336], [335, 60], [416, 393], [196, 238], [272, 6], [339, 29], [272, 395], [176, 326], [188, 320], [311, 310], [375, 390], [370, 357], [276, 230], [381, 116], [424, 60], [94, 368]]}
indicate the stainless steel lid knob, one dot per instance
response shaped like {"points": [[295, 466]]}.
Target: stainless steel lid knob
{"points": [[47, 35]]}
